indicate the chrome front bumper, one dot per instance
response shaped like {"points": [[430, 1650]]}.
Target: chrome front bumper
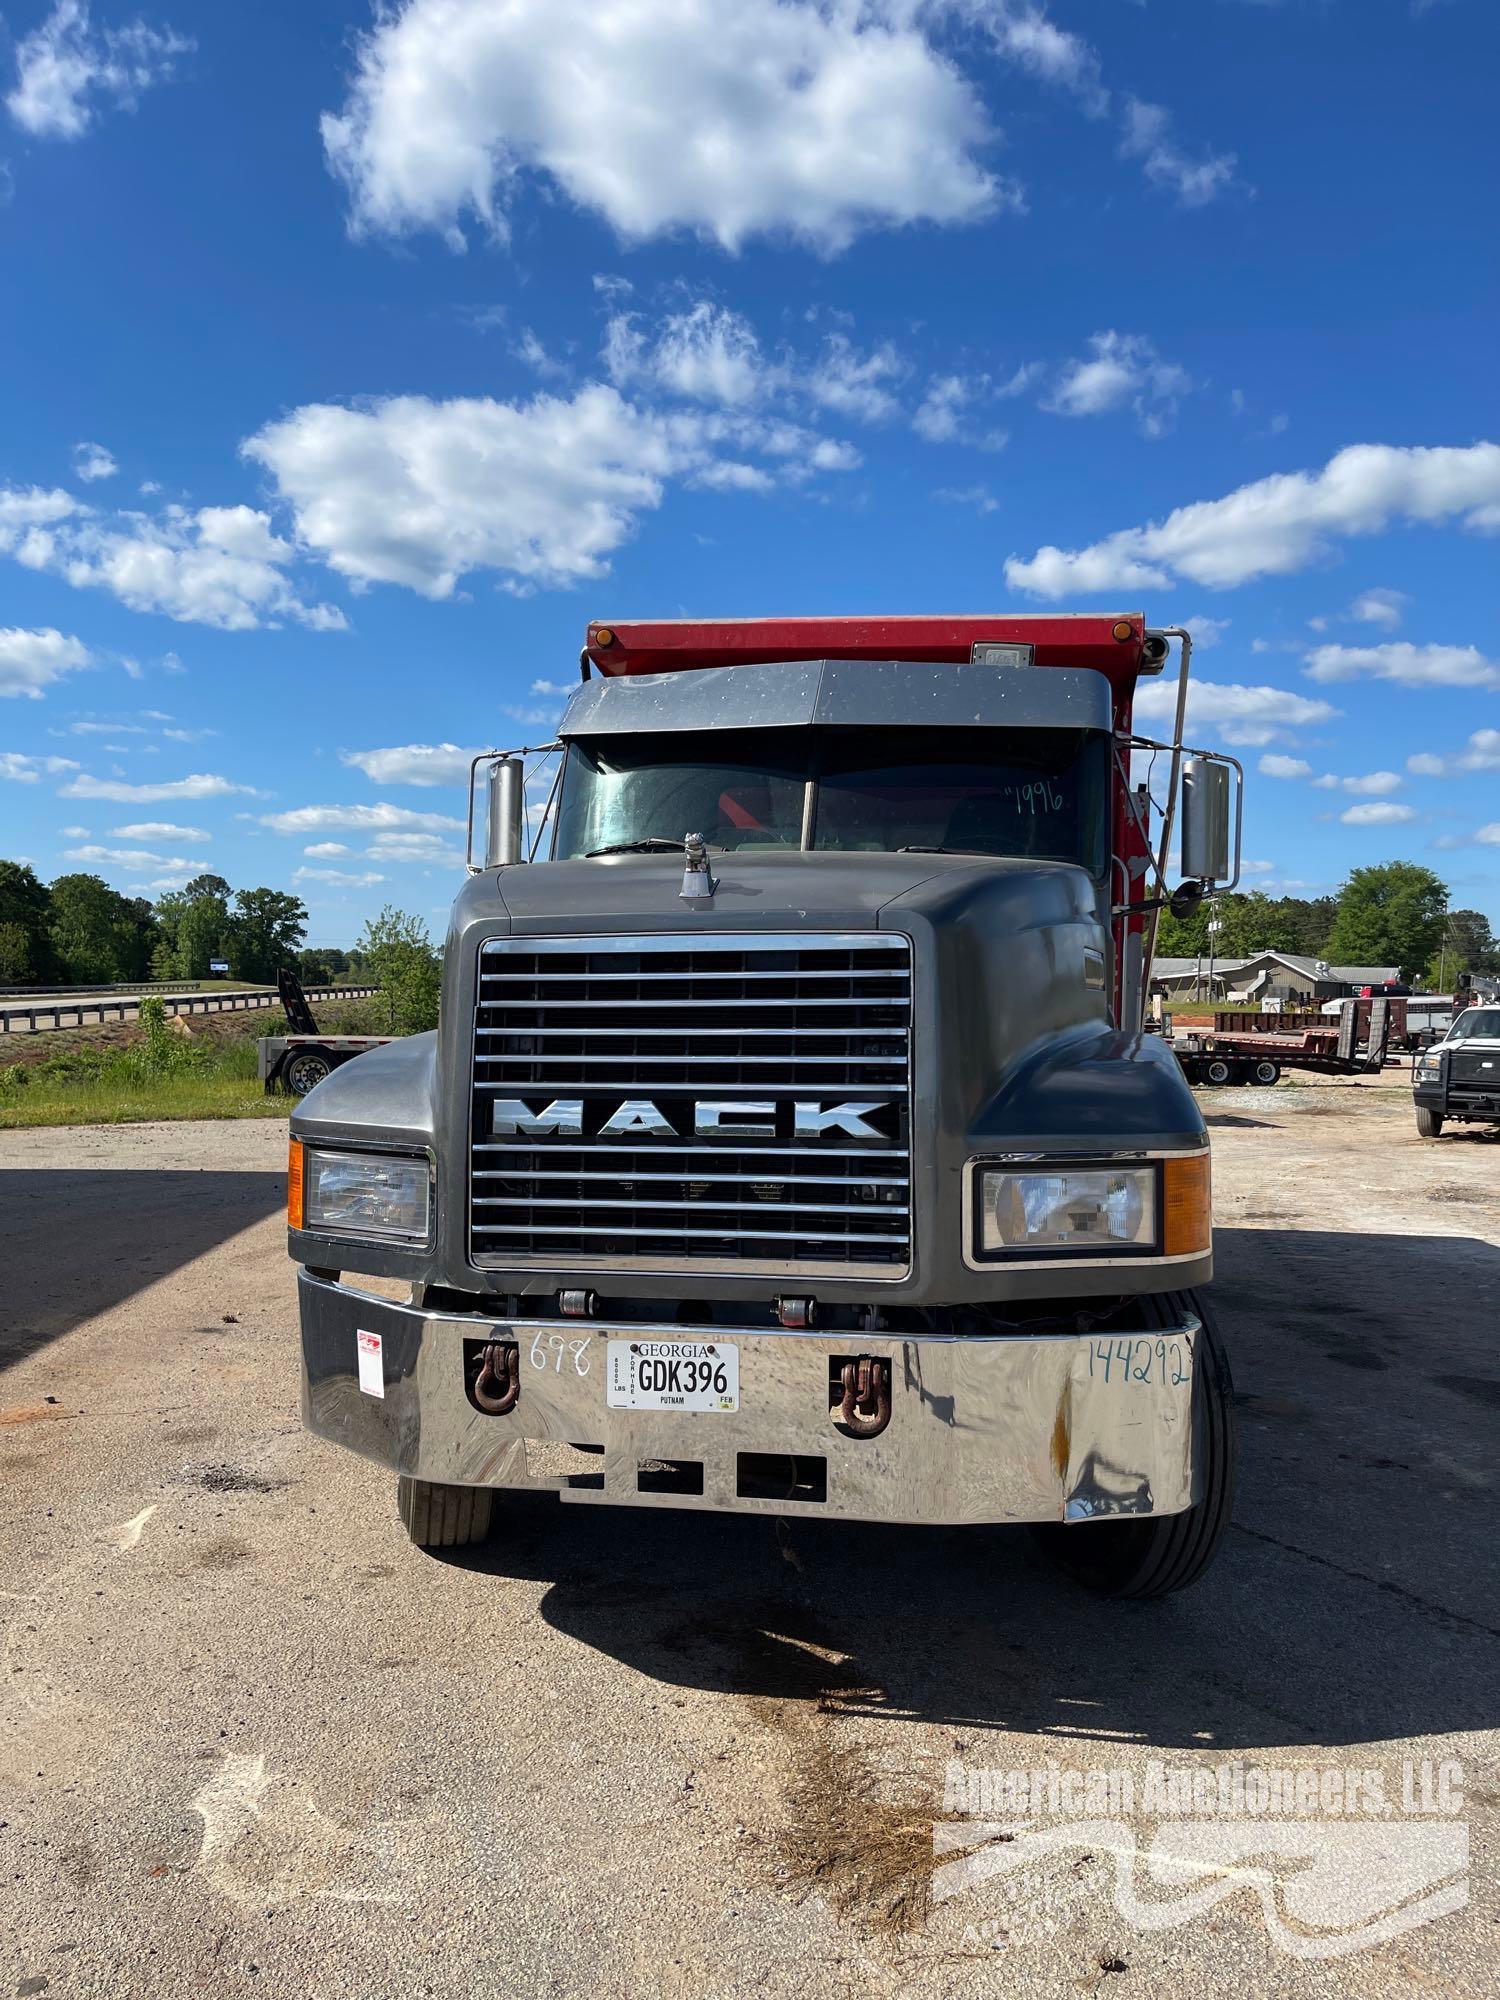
{"points": [[983, 1429]]}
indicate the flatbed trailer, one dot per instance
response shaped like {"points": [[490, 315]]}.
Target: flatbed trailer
{"points": [[1258, 1054], [298, 1061]]}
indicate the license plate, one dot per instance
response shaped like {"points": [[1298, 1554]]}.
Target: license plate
{"points": [[673, 1375]]}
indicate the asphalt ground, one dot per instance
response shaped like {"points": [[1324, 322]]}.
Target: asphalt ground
{"points": [[251, 1741]]}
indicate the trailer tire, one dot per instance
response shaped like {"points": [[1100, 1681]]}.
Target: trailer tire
{"points": [[1429, 1122], [304, 1069], [1218, 1072], [444, 1517], [1265, 1072], [1154, 1557]]}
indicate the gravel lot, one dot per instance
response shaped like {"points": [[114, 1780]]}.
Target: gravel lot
{"points": [[250, 1741]]}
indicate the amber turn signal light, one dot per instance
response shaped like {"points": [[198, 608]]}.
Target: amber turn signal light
{"points": [[1187, 1208], [295, 1193]]}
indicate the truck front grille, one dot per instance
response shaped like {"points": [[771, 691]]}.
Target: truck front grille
{"points": [[1475, 1069], [786, 1034]]}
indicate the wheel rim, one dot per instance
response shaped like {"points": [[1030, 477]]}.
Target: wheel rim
{"points": [[1266, 1072], [1218, 1072], [304, 1073]]}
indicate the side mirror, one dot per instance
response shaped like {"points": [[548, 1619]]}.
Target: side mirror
{"points": [[504, 840], [1184, 900], [1210, 832]]}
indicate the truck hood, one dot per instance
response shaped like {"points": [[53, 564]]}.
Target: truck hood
{"points": [[772, 892]]}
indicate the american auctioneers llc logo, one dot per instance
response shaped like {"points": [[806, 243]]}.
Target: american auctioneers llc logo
{"points": [[1339, 1858]]}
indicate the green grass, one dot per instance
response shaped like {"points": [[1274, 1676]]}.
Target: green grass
{"points": [[160, 1074], [56, 1102]]}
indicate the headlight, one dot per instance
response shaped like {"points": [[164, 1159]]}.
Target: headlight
{"points": [[1429, 1065], [1073, 1209], [374, 1195], [1158, 1209]]}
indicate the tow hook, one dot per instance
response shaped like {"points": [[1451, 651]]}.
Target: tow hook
{"points": [[496, 1389], [864, 1408]]}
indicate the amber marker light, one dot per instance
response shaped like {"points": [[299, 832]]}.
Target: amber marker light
{"points": [[1123, 630], [295, 1194], [603, 635], [1187, 1208]]}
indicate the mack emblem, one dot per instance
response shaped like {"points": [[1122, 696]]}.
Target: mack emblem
{"points": [[713, 1118]]}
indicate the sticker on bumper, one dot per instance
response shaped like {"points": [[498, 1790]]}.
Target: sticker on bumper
{"points": [[371, 1364]]}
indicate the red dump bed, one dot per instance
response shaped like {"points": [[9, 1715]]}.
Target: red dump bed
{"points": [[657, 646]]}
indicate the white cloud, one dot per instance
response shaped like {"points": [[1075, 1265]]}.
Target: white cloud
{"points": [[727, 118], [937, 415], [23, 770], [1274, 765], [134, 858], [338, 876], [415, 847], [553, 687], [31, 661], [1206, 631], [707, 353], [1411, 666], [1147, 139], [1123, 368], [219, 566], [325, 850], [67, 67], [979, 498], [817, 119], [359, 819], [92, 461], [1383, 814], [1241, 714], [200, 785], [710, 354], [413, 764], [1482, 754], [1376, 782], [1380, 607], [854, 384], [158, 829], [419, 493], [1277, 525], [1489, 836]]}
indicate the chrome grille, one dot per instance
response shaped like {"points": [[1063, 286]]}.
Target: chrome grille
{"points": [[672, 1024]]}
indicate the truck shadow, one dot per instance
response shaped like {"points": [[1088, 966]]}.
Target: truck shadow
{"points": [[73, 1244], [1354, 1599]]}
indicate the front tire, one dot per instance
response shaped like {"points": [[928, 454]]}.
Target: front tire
{"points": [[1152, 1558], [1429, 1122], [444, 1517]]}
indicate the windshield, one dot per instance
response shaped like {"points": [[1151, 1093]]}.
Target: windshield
{"points": [[1476, 1021], [1026, 792]]}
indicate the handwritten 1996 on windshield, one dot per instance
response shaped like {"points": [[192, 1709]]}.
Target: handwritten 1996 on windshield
{"points": [[1040, 795]]}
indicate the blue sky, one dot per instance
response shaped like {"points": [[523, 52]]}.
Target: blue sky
{"points": [[350, 367]]}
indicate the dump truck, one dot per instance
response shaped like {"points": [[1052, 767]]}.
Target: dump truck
{"points": [[790, 1143]]}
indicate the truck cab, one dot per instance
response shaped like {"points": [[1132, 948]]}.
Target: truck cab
{"points": [[1457, 1080], [790, 1142]]}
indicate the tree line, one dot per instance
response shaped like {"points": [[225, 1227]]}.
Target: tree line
{"points": [[1393, 914], [78, 930]]}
